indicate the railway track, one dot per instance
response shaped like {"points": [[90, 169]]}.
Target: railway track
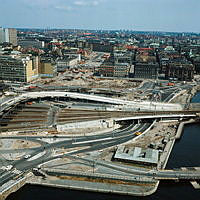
{"points": [[22, 121], [18, 127], [36, 116]]}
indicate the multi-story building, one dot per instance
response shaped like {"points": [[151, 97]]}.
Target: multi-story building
{"points": [[11, 36], [110, 70], [180, 71], [123, 57], [46, 68], [102, 47], [23, 68], [196, 62], [105, 70], [121, 70], [117, 65], [146, 70], [2, 35], [62, 65], [146, 65], [167, 57]]}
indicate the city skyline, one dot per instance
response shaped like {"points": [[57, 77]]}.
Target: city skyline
{"points": [[140, 15]]}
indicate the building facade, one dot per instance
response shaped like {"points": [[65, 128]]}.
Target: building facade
{"points": [[11, 36], [179, 71], [46, 69], [146, 70], [121, 70], [105, 70], [18, 68]]}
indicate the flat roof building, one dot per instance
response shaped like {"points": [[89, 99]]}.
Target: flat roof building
{"points": [[21, 68], [11, 36], [145, 70], [137, 155], [47, 69]]}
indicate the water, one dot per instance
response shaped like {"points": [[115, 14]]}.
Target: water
{"points": [[196, 98], [187, 149], [167, 191], [185, 154]]}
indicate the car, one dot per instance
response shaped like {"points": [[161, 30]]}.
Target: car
{"points": [[138, 133], [27, 156]]}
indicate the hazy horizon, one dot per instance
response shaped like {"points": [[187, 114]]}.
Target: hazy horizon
{"points": [[136, 15]]}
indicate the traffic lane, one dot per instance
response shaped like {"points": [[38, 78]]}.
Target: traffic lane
{"points": [[24, 165], [87, 140], [104, 145], [117, 139], [63, 144], [28, 165]]}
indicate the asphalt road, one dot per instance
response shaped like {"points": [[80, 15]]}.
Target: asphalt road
{"points": [[87, 144]]}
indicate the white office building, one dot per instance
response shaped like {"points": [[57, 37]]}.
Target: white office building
{"points": [[8, 35], [11, 36]]}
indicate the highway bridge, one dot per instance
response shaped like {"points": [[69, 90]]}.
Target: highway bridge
{"points": [[157, 116], [137, 105]]}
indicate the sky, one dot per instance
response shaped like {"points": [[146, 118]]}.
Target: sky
{"points": [[140, 15]]}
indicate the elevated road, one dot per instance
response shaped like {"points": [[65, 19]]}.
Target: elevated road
{"points": [[160, 116], [142, 105]]}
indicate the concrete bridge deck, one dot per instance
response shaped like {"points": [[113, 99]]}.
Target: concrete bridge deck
{"points": [[141, 105], [158, 116]]}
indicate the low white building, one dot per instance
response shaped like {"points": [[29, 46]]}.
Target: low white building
{"points": [[137, 155]]}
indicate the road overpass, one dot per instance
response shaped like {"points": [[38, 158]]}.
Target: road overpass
{"points": [[137, 105], [156, 116]]}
